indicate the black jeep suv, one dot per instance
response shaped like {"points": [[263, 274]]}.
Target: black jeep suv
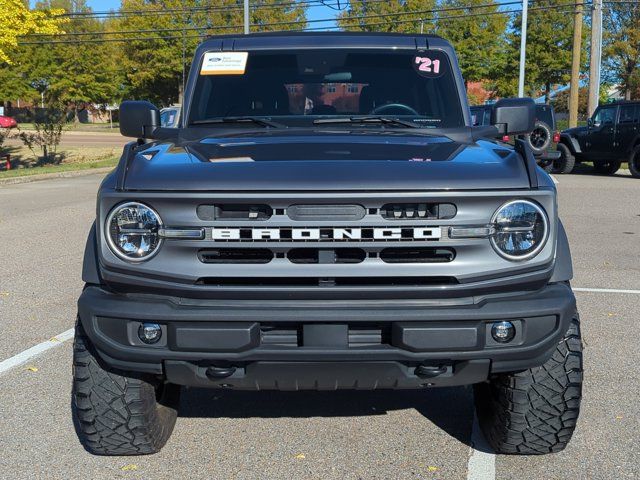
{"points": [[541, 140], [611, 137], [326, 217]]}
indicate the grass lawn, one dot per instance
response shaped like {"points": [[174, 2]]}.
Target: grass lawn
{"points": [[73, 158], [80, 127], [63, 167]]}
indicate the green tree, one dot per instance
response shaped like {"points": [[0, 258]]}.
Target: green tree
{"points": [[16, 19], [391, 16], [479, 40], [154, 58], [549, 46], [78, 72], [622, 46]]}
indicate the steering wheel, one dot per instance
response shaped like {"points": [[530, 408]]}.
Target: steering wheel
{"points": [[394, 109]]}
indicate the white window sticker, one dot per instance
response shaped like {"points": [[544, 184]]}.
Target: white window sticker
{"points": [[224, 63]]}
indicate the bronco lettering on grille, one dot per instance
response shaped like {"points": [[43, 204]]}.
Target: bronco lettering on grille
{"points": [[326, 234]]}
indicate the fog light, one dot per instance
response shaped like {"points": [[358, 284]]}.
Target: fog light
{"points": [[503, 332], [150, 333]]}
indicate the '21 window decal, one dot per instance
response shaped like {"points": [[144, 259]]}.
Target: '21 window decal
{"points": [[429, 64]]}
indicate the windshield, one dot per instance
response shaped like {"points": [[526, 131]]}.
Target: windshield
{"points": [[299, 87]]}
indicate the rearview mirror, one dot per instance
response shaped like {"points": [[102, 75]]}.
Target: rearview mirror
{"points": [[589, 122], [514, 116], [138, 119]]}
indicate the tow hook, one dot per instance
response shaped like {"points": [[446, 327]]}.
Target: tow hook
{"points": [[216, 373], [430, 371]]}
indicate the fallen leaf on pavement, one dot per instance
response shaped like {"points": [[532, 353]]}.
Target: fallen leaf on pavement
{"points": [[129, 468], [31, 368], [300, 456]]}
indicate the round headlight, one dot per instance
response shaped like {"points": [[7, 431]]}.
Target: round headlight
{"points": [[521, 230], [132, 231]]}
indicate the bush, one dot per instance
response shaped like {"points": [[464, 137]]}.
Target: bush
{"points": [[46, 137]]}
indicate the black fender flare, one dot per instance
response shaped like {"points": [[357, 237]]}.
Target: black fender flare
{"points": [[563, 270], [571, 143], [90, 267]]}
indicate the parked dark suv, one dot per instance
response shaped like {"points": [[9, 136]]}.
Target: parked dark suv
{"points": [[326, 217], [541, 140], [611, 137]]}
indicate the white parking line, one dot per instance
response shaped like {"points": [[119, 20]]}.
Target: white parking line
{"points": [[24, 357], [606, 290], [481, 465]]}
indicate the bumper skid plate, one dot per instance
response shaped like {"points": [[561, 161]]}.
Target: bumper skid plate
{"points": [[293, 376]]}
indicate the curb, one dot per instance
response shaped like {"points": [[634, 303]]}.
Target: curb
{"points": [[47, 176]]}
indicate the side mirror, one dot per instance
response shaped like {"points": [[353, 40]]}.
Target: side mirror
{"points": [[138, 119], [514, 116], [589, 122]]}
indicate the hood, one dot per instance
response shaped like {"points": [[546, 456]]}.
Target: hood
{"points": [[575, 131], [304, 161]]}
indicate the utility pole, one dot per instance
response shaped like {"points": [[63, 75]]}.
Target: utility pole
{"points": [[246, 17], [596, 56], [575, 65], [523, 46]]}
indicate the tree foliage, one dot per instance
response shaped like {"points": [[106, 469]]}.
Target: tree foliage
{"points": [[549, 47], [621, 26], [479, 40], [16, 19], [391, 16]]}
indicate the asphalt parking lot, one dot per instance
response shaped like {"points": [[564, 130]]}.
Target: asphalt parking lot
{"points": [[368, 435]]}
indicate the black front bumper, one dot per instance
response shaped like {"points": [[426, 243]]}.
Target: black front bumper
{"points": [[293, 344]]}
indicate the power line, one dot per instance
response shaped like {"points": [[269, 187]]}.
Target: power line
{"points": [[207, 8], [168, 30], [560, 7], [563, 8]]}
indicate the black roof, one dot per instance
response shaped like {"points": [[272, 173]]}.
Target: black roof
{"points": [[287, 40], [619, 102]]}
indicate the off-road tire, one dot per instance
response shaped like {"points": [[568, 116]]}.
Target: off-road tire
{"points": [[634, 162], [535, 411], [566, 162], [540, 138], [607, 168], [116, 413]]}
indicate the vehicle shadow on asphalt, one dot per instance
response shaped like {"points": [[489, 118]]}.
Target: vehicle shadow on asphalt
{"points": [[450, 409]]}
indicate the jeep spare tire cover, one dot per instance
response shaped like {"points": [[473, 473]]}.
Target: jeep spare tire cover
{"points": [[540, 137]]}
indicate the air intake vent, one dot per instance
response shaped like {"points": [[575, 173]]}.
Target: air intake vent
{"points": [[417, 255], [403, 211], [236, 255], [316, 255], [234, 212], [290, 335]]}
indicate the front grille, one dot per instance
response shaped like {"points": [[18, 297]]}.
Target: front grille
{"points": [[325, 256]]}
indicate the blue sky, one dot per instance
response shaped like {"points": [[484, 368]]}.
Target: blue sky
{"points": [[316, 12]]}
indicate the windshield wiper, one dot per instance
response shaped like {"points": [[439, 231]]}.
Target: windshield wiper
{"points": [[383, 120], [257, 120]]}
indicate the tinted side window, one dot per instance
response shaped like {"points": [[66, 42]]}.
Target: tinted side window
{"points": [[605, 116], [629, 113]]}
